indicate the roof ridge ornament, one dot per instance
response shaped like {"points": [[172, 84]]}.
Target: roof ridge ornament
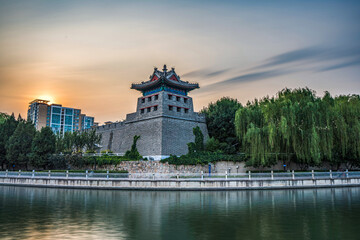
{"points": [[164, 69]]}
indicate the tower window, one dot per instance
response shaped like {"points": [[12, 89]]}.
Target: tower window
{"points": [[177, 98], [142, 110], [178, 109], [170, 97], [156, 97], [149, 99], [149, 109], [185, 100], [170, 108], [186, 110], [155, 108], [142, 100]]}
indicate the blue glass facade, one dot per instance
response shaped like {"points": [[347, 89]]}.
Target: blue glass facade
{"points": [[60, 119]]}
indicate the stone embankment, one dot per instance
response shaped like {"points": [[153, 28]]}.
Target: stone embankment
{"points": [[178, 184]]}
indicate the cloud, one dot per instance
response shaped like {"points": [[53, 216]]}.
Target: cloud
{"points": [[304, 54], [205, 73], [341, 65], [310, 55], [256, 76]]}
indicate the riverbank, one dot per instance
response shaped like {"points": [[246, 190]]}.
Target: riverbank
{"points": [[178, 184]]}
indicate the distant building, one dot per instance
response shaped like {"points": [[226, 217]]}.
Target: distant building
{"points": [[60, 119], [86, 122], [164, 119]]}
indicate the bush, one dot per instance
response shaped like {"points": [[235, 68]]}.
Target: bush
{"points": [[203, 158]]}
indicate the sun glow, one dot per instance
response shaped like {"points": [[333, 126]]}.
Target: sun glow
{"points": [[48, 98]]}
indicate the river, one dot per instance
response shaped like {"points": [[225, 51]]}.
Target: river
{"points": [[48, 213]]}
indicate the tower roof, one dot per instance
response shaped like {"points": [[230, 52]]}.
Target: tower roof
{"points": [[164, 78]]}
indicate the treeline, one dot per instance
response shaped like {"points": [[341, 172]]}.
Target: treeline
{"points": [[21, 145], [293, 126], [298, 126]]}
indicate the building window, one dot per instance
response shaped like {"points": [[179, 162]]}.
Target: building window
{"points": [[170, 108], [185, 100], [178, 109], [186, 110], [142, 110], [155, 108], [142, 100], [170, 97], [177, 98], [156, 97], [149, 99], [149, 109]]}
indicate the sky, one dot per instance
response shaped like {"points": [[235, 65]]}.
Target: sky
{"points": [[86, 54]]}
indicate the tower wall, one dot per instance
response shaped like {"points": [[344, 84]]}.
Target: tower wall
{"points": [[163, 120]]}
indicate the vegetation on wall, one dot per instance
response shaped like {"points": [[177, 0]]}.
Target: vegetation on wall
{"points": [[133, 153]]}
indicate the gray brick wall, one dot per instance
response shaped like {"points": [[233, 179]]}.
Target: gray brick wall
{"points": [[164, 129]]}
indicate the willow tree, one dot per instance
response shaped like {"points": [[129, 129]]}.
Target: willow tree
{"points": [[297, 125]]}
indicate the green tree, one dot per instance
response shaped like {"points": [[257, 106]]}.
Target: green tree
{"points": [[91, 140], [43, 146], [298, 126], [220, 118], [7, 129], [133, 152], [18, 148]]}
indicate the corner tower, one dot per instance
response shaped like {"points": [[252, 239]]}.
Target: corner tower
{"points": [[164, 118]]}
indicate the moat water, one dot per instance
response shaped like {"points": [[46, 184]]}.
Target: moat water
{"points": [[44, 213]]}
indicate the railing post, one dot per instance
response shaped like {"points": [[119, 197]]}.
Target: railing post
{"points": [[107, 174], [202, 175], [6, 174], [347, 173], [130, 175], [87, 173], [249, 175], [33, 173], [177, 175], [225, 174], [330, 174], [67, 173], [49, 173], [19, 173], [293, 174], [153, 176], [272, 175], [312, 174]]}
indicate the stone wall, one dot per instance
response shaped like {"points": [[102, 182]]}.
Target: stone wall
{"points": [[218, 167]]}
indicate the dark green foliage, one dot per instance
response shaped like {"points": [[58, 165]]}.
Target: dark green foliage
{"points": [[301, 127], [3, 117], [58, 161], [199, 139], [133, 153], [76, 142], [203, 158], [79, 161], [197, 155], [7, 128], [220, 123], [198, 145], [91, 140], [18, 147], [43, 146]]}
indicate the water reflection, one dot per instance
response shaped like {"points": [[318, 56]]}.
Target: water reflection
{"points": [[42, 213]]}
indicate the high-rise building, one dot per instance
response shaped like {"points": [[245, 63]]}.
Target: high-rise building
{"points": [[60, 119]]}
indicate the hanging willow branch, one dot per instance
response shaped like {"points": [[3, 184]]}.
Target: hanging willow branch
{"points": [[299, 126]]}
